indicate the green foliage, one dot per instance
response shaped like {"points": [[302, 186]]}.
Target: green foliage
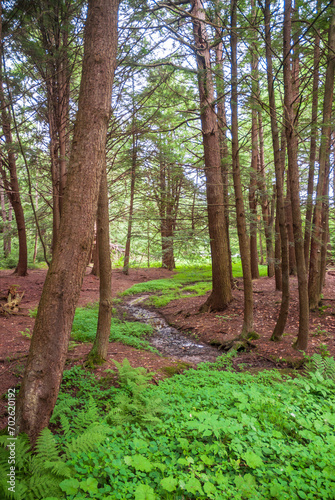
{"points": [[133, 405], [188, 282], [85, 323], [224, 435], [321, 366]]}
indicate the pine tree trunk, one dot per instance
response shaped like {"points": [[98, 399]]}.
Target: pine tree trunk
{"points": [[98, 353], [221, 294], [315, 279], [279, 170], [248, 322], [131, 206], [291, 104], [313, 144], [48, 349]]}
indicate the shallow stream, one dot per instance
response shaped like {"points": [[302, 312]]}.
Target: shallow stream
{"points": [[168, 340]]}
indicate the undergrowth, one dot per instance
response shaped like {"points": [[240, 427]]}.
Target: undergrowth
{"points": [[205, 434], [187, 282], [134, 334]]}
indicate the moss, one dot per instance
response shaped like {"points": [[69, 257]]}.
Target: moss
{"points": [[176, 368], [253, 336]]}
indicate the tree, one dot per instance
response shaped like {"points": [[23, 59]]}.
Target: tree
{"points": [[61, 290], [315, 276], [291, 109], [221, 294], [240, 213], [11, 185]]}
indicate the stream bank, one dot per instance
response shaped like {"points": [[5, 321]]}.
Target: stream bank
{"points": [[166, 339]]}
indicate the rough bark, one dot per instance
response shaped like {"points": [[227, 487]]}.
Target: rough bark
{"points": [[131, 205], [315, 281], [221, 294], [98, 353], [240, 213], [264, 199], [222, 124], [254, 155], [61, 290], [290, 104], [12, 185], [279, 170], [313, 145]]}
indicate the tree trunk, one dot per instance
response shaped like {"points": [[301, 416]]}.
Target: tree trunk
{"points": [[290, 103], [315, 283], [222, 124], [254, 153], [221, 294], [61, 290], [312, 155], [131, 205], [279, 170], [248, 321], [264, 199], [98, 353]]}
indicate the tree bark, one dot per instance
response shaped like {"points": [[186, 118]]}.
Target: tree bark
{"points": [[98, 353], [240, 214], [221, 294], [315, 281], [12, 186], [131, 204], [61, 290], [290, 103], [313, 144], [279, 170]]}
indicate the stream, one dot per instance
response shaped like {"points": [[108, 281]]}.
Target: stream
{"points": [[168, 340]]}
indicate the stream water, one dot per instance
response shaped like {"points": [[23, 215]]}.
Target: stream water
{"points": [[168, 340]]}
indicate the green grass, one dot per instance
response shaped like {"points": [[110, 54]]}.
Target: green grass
{"points": [[187, 282], [134, 334]]}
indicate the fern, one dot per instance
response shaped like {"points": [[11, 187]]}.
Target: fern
{"points": [[324, 366], [134, 405], [88, 440]]}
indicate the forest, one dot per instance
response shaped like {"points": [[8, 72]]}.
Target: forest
{"points": [[167, 249]]}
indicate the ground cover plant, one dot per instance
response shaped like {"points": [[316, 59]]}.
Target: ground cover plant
{"points": [[190, 281], [134, 334], [209, 433]]}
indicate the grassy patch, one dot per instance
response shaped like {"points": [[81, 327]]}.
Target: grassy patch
{"points": [[187, 282], [129, 333]]}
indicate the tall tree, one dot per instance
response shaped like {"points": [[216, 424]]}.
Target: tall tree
{"points": [[8, 162], [291, 110], [61, 290], [248, 319], [315, 280], [221, 294]]}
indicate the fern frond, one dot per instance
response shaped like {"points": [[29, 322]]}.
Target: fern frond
{"points": [[46, 447], [66, 426], [87, 441], [59, 468]]}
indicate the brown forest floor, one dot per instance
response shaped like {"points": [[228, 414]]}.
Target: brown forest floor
{"points": [[183, 314]]}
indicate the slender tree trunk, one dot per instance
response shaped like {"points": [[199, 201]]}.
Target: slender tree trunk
{"points": [[278, 276], [222, 124], [5, 220], [61, 290], [98, 353], [279, 169], [36, 230], [131, 205], [290, 104], [315, 280], [254, 153], [264, 199], [248, 321], [12, 187], [221, 294], [312, 155], [325, 231]]}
